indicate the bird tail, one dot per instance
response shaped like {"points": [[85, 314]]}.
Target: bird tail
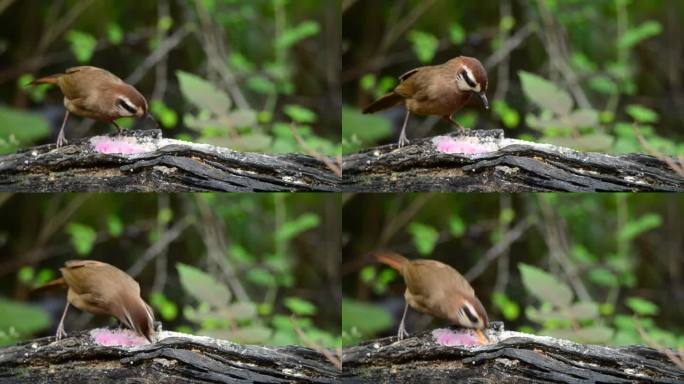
{"points": [[392, 259], [388, 100], [52, 79], [49, 285]]}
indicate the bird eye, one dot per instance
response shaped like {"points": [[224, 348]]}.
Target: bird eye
{"points": [[127, 106]]}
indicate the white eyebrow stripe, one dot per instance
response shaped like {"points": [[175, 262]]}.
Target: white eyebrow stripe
{"points": [[128, 105]]}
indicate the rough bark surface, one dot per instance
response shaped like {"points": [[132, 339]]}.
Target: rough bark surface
{"points": [[513, 166], [168, 166], [511, 358], [177, 358]]}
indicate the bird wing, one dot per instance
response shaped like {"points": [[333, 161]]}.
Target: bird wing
{"points": [[72, 82], [427, 276], [87, 70]]}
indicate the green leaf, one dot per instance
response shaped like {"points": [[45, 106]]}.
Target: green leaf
{"points": [[115, 34], [167, 116], [299, 114], [634, 36], [545, 286], [509, 308], [261, 84], [20, 128], [241, 311], [82, 45], [603, 276], [166, 308], [292, 36], [545, 94], [457, 34], [585, 310], [509, 116], [25, 274], [634, 228], [367, 274], [260, 276], [292, 228], [365, 318], [641, 306], [424, 237], [457, 226], [203, 287], [203, 94], [424, 45], [300, 306], [115, 226], [642, 114], [20, 320], [363, 129], [82, 237]]}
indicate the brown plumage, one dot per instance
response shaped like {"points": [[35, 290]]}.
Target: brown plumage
{"points": [[97, 94], [438, 90], [103, 289], [437, 289]]}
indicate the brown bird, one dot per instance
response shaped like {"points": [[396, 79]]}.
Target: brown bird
{"points": [[104, 289], [97, 94], [439, 290], [437, 90]]}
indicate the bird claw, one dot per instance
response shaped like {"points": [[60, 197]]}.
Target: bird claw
{"points": [[403, 141], [60, 333], [401, 334], [61, 140]]}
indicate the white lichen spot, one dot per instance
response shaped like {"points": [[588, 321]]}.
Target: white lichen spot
{"points": [[376, 153], [34, 345], [376, 346], [288, 179], [34, 153]]}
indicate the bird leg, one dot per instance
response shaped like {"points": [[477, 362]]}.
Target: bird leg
{"points": [[61, 140], [402, 329], [402, 136], [60, 328], [459, 128], [118, 127]]}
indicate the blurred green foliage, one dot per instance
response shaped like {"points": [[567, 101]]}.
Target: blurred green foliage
{"points": [[572, 88], [245, 267], [240, 72], [586, 267]]}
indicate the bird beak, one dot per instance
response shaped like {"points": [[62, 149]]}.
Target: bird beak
{"points": [[483, 97], [149, 115]]}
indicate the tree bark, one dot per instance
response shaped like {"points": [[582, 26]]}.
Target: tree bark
{"points": [[512, 357], [512, 166], [176, 358], [168, 166]]}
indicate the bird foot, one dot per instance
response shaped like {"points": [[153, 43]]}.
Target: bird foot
{"points": [[402, 141], [60, 333], [61, 140], [402, 334]]}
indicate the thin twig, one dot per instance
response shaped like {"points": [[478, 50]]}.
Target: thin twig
{"points": [[335, 360], [676, 357], [677, 166], [335, 168], [499, 248]]}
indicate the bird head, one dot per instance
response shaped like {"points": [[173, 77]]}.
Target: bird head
{"points": [[472, 77]]}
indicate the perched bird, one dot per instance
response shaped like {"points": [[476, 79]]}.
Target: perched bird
{"points": [[104, 289], [437, 90], [97, 94], [437, 289]]}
